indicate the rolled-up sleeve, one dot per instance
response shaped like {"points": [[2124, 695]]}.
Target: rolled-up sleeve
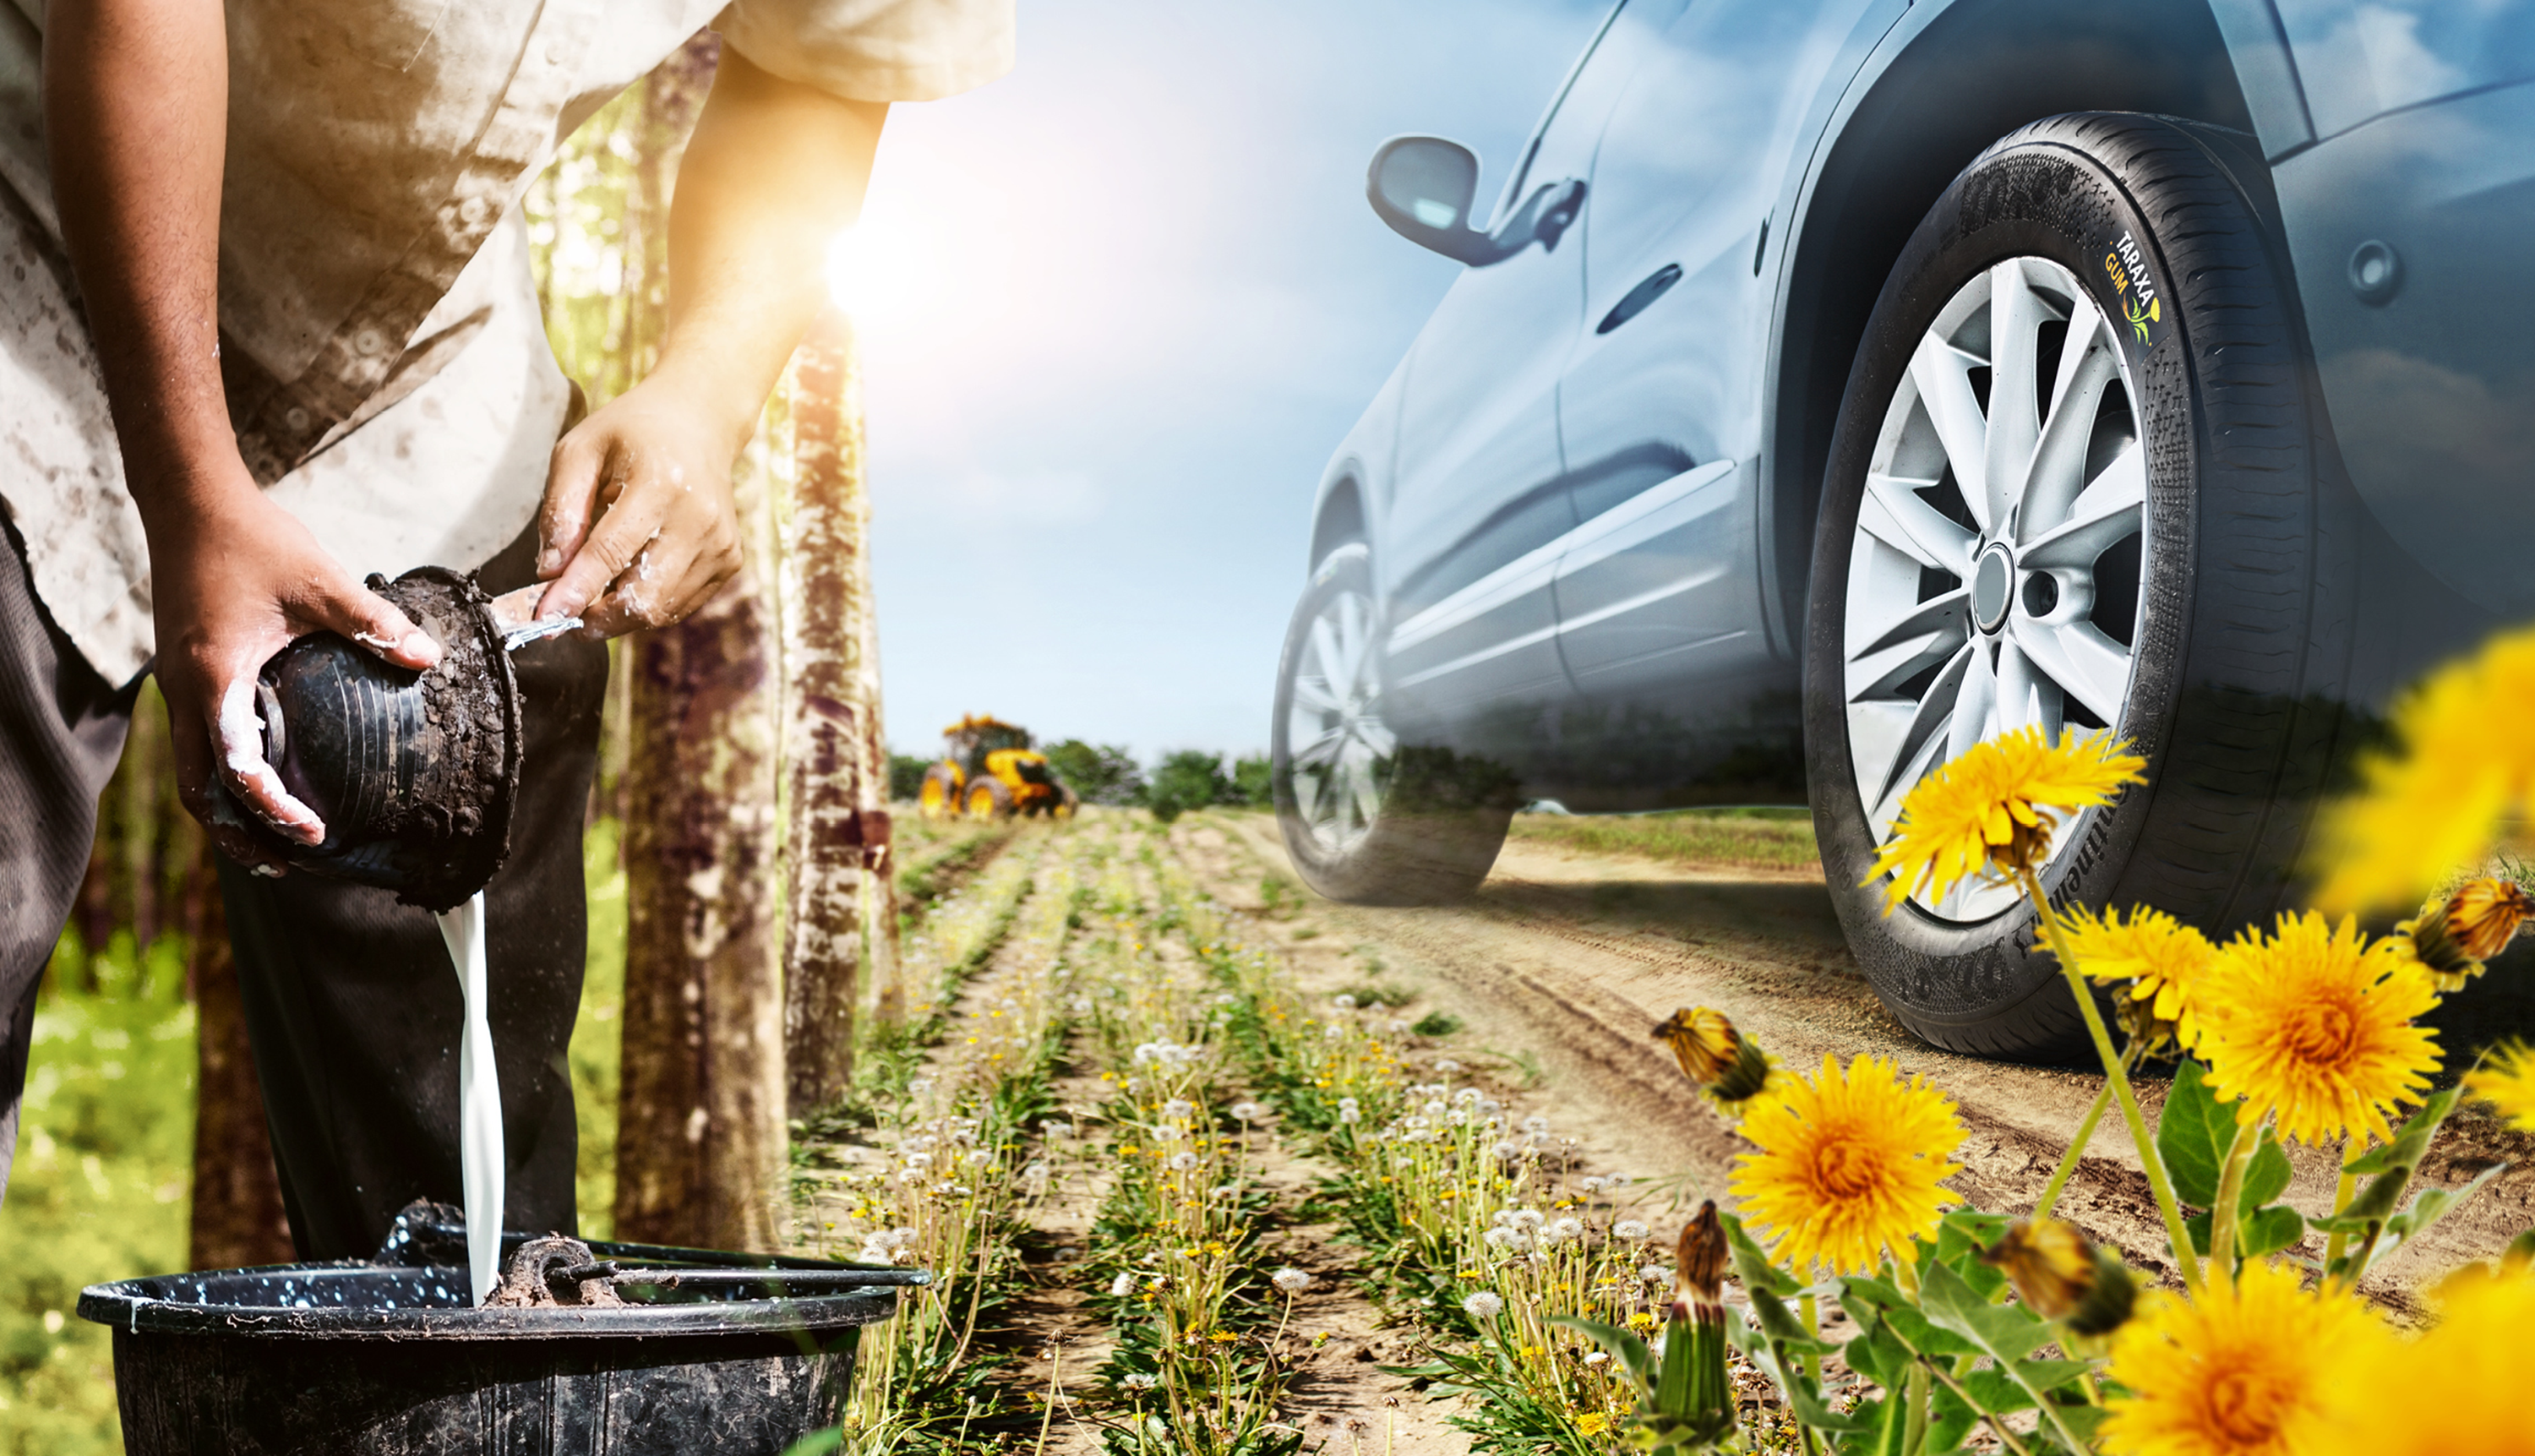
{"points": [[874, 50]]}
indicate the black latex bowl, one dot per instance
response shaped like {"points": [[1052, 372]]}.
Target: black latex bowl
{"points": [[385, 1359], [415, 774]]}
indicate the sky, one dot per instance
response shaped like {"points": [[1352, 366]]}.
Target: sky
{"points": [[1117, 309]]}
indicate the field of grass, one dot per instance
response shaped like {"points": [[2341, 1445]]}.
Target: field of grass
{"points": [[100, 1189], [1751, 839]]}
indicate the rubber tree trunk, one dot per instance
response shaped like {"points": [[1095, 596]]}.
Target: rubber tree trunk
{"points": [[700, 1119], [237, 1214], [838, 842], [700, 1112]]}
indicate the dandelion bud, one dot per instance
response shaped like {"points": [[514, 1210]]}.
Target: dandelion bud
{"points": [[2452, 936], [1718, 1060], [2060, 1276], [1702, 1267]]}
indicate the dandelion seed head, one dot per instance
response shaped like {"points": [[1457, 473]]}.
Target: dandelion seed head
{"points": [[1628, 1228], [1343, 1001], [1482, 1305], [1446, 1065], [1292, 1281], [1183, 1162], [1122, 1285]]}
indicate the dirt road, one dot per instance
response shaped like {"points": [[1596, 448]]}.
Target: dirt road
{"points": [[1569, 958]]}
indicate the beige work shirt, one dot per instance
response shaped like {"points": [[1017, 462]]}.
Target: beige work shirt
{"points": [[388, 371]]}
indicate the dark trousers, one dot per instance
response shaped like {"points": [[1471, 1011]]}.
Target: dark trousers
{"points": [[351, 1006]]}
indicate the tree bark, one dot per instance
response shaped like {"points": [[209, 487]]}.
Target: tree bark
{"points": [[826, 722], [237, 1215], [700, 1123]]}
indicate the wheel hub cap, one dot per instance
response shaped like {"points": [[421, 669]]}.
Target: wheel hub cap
{"points": [[1339, 750], [1989, 588]]}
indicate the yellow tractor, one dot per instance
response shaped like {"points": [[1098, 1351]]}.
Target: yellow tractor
{"points": [[990, 770]]}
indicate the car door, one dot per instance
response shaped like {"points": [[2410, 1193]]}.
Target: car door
{"points": [[1658, 595], [1480, 502]]}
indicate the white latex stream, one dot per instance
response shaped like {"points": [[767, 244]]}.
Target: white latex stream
{"points": [[480, 1101]]}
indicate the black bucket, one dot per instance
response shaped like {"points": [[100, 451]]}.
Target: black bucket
{"points": [[731, 1354]]}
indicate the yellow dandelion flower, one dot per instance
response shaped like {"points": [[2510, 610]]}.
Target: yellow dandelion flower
{"points": [[1848, 1164], [2462, 1387], [2158, 955], [2466, 761], [2507, 1080], [2242, 1371], [1592, 1422], [2314, 1026], [1997, 805]]}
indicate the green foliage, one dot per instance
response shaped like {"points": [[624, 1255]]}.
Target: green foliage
{"points": [[1101, 772], [101, 1186], [1252, 781], [906, 777], [1437, 1023], [1190, 779]]}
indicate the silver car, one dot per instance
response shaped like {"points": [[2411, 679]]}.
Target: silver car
{"points": [[1834, 384]]}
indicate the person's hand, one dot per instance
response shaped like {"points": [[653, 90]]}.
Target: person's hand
{"points": [[232, 582], [638, 529]]}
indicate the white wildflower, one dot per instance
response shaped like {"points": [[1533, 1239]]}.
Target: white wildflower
{"points": [[1178, 1109], [1566, 1228], [1291, 1281], [1596, 1357], [1535, 1124], [1630, 1229], [1482, 1305], [1592, 1185], [1656, 1273], [1183, 1162]]}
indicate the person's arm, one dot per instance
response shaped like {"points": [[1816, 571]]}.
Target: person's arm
{"points": [[638, 529], [136, 103]]}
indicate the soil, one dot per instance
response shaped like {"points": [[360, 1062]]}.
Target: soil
{"points": [[1570, 958], [1557, 971]]}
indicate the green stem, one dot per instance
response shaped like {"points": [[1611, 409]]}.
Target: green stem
{"points": [[2077, 1148], [2342, 1192], [1914, 1427], [1812, 1326], [1995, 1422], [2157, 1181], [2231, 1193]]}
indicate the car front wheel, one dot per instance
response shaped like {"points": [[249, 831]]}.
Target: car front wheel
{"points": [[2073, 487]]}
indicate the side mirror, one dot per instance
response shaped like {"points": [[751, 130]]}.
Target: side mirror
{"points": [[1423, 187]]}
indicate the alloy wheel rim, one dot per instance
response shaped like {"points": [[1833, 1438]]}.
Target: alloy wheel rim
{"points": [[1341, 750], [1997, 571]]}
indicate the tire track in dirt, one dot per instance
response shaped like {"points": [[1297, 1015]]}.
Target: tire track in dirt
{"points": [[1572, 958]]}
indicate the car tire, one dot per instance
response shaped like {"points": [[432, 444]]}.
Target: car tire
{"points": [[1368, 818], [2229, 568]]}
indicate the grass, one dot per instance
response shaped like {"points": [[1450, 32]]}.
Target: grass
{"points": [[1740, 839], [105, 1152]]}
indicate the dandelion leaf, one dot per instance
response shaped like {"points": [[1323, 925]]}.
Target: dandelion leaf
{"points": [[1751, 1264], [2411, 1140], [1960, 1237], [2005, 1332], [2194, 1135], [2267, 1177]]}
